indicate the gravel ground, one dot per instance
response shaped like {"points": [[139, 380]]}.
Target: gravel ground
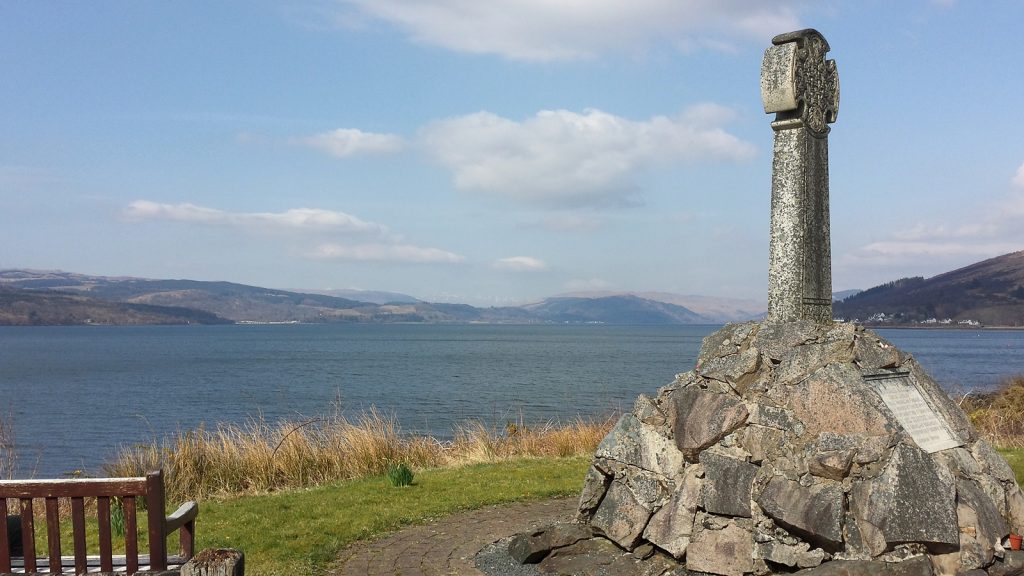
{"points": [[494, 560]]}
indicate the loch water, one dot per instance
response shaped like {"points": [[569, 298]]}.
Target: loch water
{"points": [[75, 394]]}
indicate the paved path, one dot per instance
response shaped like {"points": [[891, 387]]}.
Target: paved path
{"points": [[447, 546]]}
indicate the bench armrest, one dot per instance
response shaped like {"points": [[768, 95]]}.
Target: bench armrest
{"points": [[185, 513]]}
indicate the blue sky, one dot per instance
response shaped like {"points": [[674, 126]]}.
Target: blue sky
{"points": [[494, 152]]}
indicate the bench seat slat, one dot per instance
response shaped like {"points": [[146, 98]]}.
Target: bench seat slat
{"points": [[93, 563]]}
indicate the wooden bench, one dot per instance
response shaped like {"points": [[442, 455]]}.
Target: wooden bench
{"points": [[149, 488]]}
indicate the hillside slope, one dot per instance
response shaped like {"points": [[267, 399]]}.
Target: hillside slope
{"points": [[990, 292], [21, 307], [614, 310], [712, 309]]}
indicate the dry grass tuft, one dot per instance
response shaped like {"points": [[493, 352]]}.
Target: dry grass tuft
{"points": [[258, 457], [999, 416]]}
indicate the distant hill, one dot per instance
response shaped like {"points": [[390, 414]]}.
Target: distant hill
{"points": [[844, 294], [236, 302], [371, 296], [712, 309], [990, 292], [55, 297], [614, 310], [21, 307]]}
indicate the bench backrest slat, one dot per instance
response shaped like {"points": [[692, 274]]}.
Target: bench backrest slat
{"points": [[103, 521], [53, 533], [90, 487], [28, 541], [5, 551], [78, 533], [155, 509], [131, 534]]}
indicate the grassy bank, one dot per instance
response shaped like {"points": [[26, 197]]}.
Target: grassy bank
{"points": [[301, 531]]}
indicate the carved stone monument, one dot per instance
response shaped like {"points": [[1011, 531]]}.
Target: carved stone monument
{"points": [[802, 88], [795, 444]]}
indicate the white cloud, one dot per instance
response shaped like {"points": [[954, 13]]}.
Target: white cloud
{"points": [[296, 218], [379, 245], [1018, 178], [578, 29], [565, 158], [520, 264], [921, 232], [345, 142], [379, 252], [889, 251]]}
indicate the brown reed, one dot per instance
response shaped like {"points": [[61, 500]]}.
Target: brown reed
{"points": [[258, 456]]}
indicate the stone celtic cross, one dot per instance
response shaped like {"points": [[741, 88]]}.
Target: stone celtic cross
{"points": [[802, 88]]}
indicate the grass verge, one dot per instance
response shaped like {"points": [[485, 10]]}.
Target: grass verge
{"points": [[302, 531]]}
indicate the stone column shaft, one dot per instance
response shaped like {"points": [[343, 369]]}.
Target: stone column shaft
{"points": [[802, 88], [800, 271]]}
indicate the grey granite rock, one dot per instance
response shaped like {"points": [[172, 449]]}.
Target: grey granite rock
{"points": [[1011, 564], [628, 504], [981, 525], [737, 370], [835, 399], [774, 417], [727, 481], [792, 555], [671, 527], [913, 500], [815, 512], [991, 462], [776, 340], [587, 557], [727, 551], [876, 353], [595, 484], [700, 418], [532, 547], [648, 412], [762, 442], [919, 566], [638, 444]]}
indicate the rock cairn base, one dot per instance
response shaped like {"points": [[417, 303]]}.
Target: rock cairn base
{"points": [[777, 454]]}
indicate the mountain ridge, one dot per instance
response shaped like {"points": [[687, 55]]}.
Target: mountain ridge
{"points": [[989, 292], [218, 302]]}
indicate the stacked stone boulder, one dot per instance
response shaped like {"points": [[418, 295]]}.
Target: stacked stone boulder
{"points": [[777, 453]]}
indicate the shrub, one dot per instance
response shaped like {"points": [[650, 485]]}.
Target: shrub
{"points": [[999, 415], [400, 474]]}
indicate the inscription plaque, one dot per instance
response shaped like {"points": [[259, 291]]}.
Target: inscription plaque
{"points": [[928, 429]]}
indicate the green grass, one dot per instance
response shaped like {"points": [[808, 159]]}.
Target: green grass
{"points": [[1015, 456], [302, 531]]}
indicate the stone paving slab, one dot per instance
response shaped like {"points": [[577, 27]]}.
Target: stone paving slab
{"points": [[448, 546]]}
